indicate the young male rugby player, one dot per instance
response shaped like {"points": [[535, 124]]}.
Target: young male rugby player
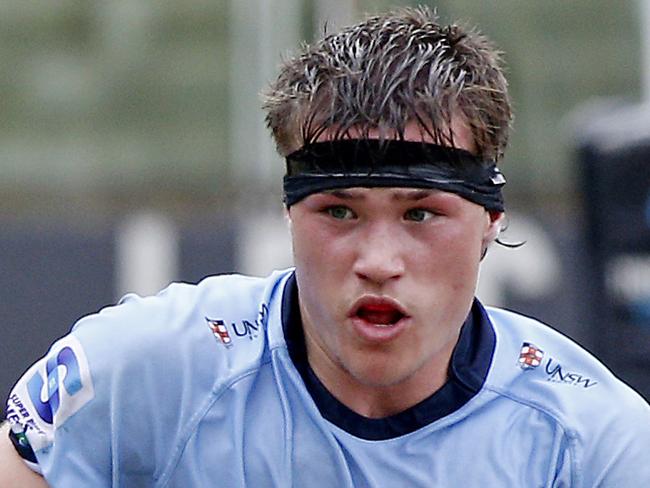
{"points": [[370, 364]]}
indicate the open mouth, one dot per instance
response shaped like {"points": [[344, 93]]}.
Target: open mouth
{"points": [[379, 312], [384, 316]]}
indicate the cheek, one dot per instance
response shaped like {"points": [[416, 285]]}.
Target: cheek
{"points": [[305, 238], [315, 244], [318, 260], [452, 253], [319, 274]]}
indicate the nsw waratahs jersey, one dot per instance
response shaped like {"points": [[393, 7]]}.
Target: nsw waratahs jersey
{"points": [[208, 386]]}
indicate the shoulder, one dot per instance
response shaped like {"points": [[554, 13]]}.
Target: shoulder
{"points": [[603, 419], [174, 323], [137, 373], [181, 338], [533, 359]]}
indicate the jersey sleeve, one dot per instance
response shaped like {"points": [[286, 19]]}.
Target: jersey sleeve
{"points": [[620, 453], [109, 402], [46, 401], [605, 423], [114, 402]]}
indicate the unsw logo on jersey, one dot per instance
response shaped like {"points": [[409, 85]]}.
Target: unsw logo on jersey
{"points": [[240, 328], [531, 357], [50, 392], [220, 331]]}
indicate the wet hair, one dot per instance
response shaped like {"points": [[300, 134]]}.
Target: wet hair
{"points": [[386, 72]]}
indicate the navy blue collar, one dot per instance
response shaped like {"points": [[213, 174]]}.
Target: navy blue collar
{"points": [[468, 369]]}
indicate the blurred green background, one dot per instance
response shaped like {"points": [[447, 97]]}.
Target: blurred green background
{"points": [[116, 104]]}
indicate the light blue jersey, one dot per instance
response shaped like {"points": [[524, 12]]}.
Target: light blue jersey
{"points": [[207, 386]]}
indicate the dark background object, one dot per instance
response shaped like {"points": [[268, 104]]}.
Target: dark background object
{"points": [[52, 274], [614, 156]]}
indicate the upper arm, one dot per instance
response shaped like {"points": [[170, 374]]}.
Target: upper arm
{"points": [[108, 402], [13, 470], [90, 409], [620, 453]]}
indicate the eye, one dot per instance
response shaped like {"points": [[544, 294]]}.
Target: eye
{"points": [[340, 212], [418, 215]]}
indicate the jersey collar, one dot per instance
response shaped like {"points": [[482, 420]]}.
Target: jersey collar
{"points": [[470, 363]]}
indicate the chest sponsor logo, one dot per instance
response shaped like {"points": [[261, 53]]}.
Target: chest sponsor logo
{"points": [[225, 331], [51, 391], [531, 357]]}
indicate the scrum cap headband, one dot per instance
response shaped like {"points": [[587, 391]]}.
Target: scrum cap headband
{"points": [[372, 163]]}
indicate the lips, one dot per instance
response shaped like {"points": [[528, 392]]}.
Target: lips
{"points": [[379, 314], [378, 319]]}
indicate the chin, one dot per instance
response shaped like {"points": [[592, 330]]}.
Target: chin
{"points": [[384, 376]]}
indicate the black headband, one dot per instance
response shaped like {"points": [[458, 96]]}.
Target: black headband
{"points": [[371, 163]]}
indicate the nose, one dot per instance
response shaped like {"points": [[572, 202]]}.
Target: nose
{"points": [[379, 256]]}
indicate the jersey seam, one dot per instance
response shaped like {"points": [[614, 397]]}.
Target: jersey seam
{"points": [[215, 394], [217, 390], [570, 434]]}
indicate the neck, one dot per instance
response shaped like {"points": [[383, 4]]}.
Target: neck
{"points": [[372, 398]]}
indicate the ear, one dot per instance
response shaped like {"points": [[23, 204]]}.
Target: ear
{"points": [[493, 227], [287, 218]]}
